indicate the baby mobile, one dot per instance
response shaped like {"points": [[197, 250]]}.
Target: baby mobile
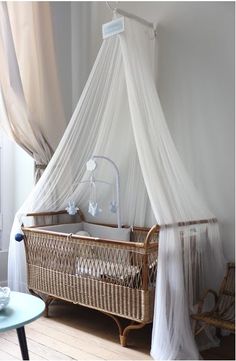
{"points": [[93, 207]]}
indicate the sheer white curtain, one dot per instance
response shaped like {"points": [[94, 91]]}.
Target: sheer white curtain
{"points": [[119, 115], [174, 199], [31, 110]]}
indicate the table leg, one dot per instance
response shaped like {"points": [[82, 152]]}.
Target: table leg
{"points": [[23, 343]]}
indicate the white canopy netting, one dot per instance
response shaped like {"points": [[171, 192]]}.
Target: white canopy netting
{"points": [[119, 116]]}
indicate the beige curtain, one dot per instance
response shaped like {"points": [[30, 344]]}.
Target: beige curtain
{"points": [[30, 102]]}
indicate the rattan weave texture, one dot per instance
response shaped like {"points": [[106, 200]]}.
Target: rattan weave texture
{"points": [[111, 276]]}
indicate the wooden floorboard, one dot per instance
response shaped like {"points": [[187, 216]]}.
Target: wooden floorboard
{"points": [[77, 333]]}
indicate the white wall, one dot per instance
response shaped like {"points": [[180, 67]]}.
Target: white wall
{"points": [[74, 50], [7, 200], [17, 181], [7, 188], [3, 268], [195, 81]]}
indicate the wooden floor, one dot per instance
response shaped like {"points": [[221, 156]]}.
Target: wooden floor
{"points": [[77, 333]]}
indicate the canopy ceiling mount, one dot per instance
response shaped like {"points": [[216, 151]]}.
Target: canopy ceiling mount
{"points": [[116, 10]]}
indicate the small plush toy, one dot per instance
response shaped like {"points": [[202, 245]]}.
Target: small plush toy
{"points": [[113, 207], [72, 209], [93, 209]]}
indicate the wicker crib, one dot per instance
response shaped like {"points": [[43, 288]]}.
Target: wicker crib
{"points": [[113, 276]]}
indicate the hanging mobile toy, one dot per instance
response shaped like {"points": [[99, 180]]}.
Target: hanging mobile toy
{"points": [[72, 209], [114, 205], [93, 207]]}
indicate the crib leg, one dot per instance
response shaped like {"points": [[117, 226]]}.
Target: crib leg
{"points": [[123, 332], [123, 340], [34, 293], [132, 326], [47, 303], [116, 321]]}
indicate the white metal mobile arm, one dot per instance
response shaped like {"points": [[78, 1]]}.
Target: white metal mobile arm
{"points": [[91, 165]]}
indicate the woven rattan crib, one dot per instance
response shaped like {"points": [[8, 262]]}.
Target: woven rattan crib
{"points": [[113, 276]]}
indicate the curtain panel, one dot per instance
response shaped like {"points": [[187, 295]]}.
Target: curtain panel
{"points": [[31, 111]]}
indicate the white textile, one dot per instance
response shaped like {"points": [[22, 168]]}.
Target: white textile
{"points": [[119, 116], [30, 100]]}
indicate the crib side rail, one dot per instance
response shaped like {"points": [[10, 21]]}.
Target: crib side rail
{"points": [[47, 213], [148, 237], [122, 263], [154, 231], [49, 218], [139, 234]]}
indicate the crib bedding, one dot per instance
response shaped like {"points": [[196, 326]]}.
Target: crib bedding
{"points": [[94, 230], [100, 268], [95, 267]]}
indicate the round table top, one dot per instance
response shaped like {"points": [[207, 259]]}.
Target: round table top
{"points": [[22, 309]]}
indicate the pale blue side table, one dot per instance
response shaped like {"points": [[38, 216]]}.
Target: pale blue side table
{"points": [[22, 309]]}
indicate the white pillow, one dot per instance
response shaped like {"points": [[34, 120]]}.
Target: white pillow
{"points": [[83, 233]]}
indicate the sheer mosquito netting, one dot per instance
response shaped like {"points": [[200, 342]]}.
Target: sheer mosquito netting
{"points": [[119, 115]]}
